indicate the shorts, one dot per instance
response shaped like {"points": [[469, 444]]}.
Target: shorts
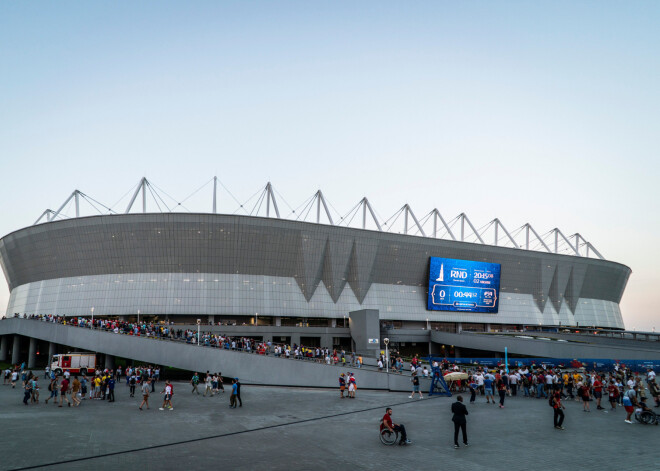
{"points": [[342, 388], [629, 409], [598, 394], [415, 387], [168, 397], [145, 396]]}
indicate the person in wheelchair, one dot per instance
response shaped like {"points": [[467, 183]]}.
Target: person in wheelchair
{"points": [[645, 414], [393, 428]]}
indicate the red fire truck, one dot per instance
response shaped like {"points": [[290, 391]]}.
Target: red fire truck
{"points": [[73, 363]]}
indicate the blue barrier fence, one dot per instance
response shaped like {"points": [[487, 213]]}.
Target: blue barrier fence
{"points": [[598, 364]]}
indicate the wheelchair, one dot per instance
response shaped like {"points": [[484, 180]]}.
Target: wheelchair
{"points": [[646, 417], [387, 437]]}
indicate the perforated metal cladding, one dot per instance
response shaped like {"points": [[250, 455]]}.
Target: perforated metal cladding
{"points": [[309, 253]]}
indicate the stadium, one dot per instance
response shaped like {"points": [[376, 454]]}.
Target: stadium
{"points": [[319, 283]]}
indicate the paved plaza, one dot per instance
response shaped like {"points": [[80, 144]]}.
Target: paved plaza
{"points": [[287, 428]]}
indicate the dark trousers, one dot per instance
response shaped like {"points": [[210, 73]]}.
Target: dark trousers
{"points": [[458, 426], [514, 389], [473, 395], [402, 430], [111, 395], [238, 396], [559, 417], [502, 394], [132, 390]]}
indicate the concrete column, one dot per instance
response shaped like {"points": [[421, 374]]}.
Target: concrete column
{"points": [[16, 349], [459, 327], [109, 362], [334, 324], [278, 321], [52, 350], [487, 327], [295, 338], [212, 319], [32, 354], [3, 347]]}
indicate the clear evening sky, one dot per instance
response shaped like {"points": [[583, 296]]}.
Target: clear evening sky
{"points": [[539, 112]]}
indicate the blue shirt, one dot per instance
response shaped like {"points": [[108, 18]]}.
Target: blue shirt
{"points": [[234, 388]]}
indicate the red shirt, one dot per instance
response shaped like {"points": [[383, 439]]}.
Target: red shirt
{"points": [[598, 386], [557, 404], [388, 420], [65, 385]]}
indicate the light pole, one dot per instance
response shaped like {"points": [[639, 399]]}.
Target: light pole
{"points": [[344, 321], [138, 322], [92, 316], [256, 319], [199, 323], [386, 341]]}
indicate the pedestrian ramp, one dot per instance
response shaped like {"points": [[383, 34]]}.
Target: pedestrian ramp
{"points": [[250, 368]]}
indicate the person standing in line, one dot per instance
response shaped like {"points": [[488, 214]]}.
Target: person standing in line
{"points": [[558, 410], [145, 393], [195, 382], [232, 398], [459, 418], [238, 392], [342, 385]]}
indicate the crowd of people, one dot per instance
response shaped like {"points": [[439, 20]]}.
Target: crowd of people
{"points": [[167, 331]]}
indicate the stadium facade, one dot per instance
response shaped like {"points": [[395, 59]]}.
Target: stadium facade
{"points": [[243, 269]]}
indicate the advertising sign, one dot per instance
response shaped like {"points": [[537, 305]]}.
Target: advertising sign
{"points": [[463, 285]]}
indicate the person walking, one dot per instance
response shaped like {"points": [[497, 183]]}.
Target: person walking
{"points": [[501, 389], [195, 382], [460, 422], [415, 382], [75, 391], [145, 393], [558, 410], [208, 385], [132, 380], [167, 400], [64, 391]]}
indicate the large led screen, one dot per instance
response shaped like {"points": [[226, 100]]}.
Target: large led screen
{"points": [[463, 285]]}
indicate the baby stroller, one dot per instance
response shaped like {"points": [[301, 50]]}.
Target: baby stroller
{"points": [[645, 415]]}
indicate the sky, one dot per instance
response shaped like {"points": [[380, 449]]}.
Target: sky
{"points": [[532, 112]]}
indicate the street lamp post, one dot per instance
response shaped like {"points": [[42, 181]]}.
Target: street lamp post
{"points": [[138, 322], [386, 341], [199, 323], [92, 316], [256, 319]]}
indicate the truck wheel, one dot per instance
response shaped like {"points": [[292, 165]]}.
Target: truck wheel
{"points": [[83, 371], [58, 371]]}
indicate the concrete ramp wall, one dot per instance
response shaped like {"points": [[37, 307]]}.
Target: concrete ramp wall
{"points": [[250, 368]]}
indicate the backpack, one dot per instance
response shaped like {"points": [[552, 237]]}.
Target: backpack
{"points": [[551, 401]]}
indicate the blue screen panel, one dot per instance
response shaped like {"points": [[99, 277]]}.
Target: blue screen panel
{"points": [[463, 285]]}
